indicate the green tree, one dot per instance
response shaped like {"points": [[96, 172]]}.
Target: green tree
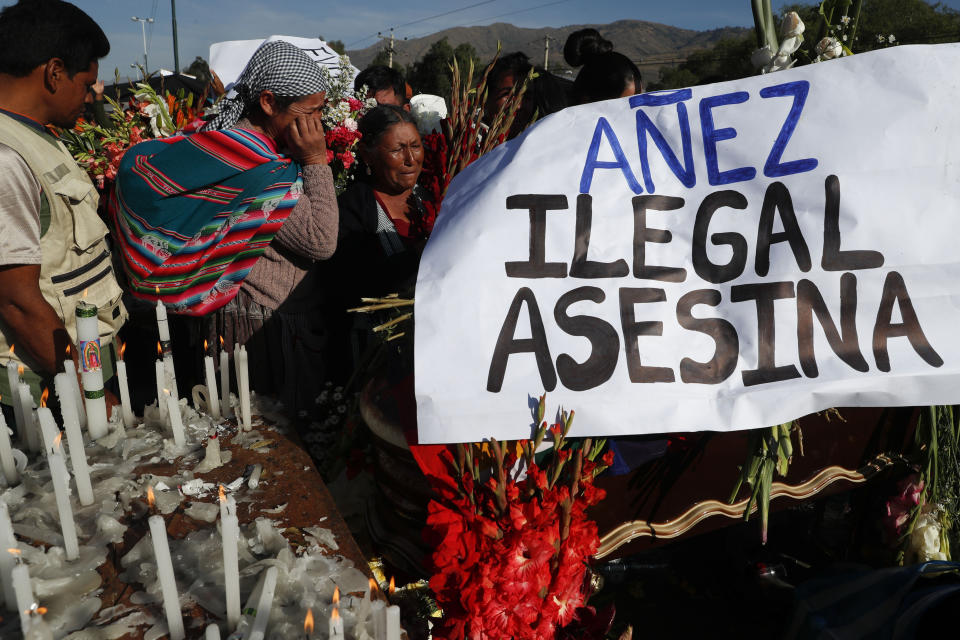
{"points": [[338, 46], [432, 73], [728, 59], [199, 69]]}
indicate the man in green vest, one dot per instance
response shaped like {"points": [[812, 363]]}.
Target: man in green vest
{"points": [[53, 249]]}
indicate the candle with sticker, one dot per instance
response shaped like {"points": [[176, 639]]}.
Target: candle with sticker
{"points": [[163, 327], [88, 344]]}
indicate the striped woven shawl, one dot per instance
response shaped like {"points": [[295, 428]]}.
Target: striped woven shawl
{"points": [[193, 213]]}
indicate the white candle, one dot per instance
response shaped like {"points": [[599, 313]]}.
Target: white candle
{"points": [[176, 420], [264, 605], [88, 343], [378, 616], [168, 584], [335, 625], [7, 560], [212, 632], [28, 428], [225, 380], [23, 593], [161, 396], [244, 384], [166, 348], [6, 456], [211, 379], [13, 379], [125, 407], [230, 531], [60, 478], [393, 622], [39, 629], [71, 424], [70, 367]]}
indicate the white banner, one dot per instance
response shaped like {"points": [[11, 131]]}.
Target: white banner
{"points": [[725, 257], [230, 58]]}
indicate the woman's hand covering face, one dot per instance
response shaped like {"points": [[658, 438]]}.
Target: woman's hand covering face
{"points": [[397, 159], [306, 141]]}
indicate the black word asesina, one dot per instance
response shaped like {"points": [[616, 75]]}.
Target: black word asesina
{"points": [[605, 339]]}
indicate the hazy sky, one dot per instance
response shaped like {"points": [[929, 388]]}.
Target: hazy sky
{"points": [[202, 22]]}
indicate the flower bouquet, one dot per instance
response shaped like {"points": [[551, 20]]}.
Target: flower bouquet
{"points": [[511, 535], [344, 107], [98, 148]]}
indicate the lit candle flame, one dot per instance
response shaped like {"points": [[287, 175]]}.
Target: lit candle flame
{"points": [[308, 622], [123, 348], [159, 350], [156, 290], [40, 611], [221, 343], [11, 346], [56, 441], [20, 371], [334, 615], [14, 552], [204, 346], [68, 350], [84, 294], [223, 495], [44, 396], [336, 596], [373, 587], [393, 587], [150, 498]]}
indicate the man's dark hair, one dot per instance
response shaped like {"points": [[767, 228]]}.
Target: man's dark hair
{"points": [[34, 31], [379, 77], [516, 64]]}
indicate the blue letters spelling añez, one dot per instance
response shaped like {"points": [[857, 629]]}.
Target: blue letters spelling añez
{"points": [[685, 172]]}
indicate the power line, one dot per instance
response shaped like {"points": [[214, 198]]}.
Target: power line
{"points": [[439, 15], [502, 15]]}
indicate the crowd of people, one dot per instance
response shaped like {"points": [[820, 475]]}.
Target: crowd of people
{"points": [[278, 280]]}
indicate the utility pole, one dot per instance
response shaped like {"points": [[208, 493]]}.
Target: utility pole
{"points": [[390, 49], [176, 48], [143, 29], [546, 52]]}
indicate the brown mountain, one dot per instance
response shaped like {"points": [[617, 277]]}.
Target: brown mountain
{"points": [[648, 43]]}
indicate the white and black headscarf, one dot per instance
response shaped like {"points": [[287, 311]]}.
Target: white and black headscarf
{"points": [[276, 66]]}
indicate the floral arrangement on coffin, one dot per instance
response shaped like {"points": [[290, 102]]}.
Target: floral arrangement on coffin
{"points": [[343, 109], [511, 535], [147, 115]]}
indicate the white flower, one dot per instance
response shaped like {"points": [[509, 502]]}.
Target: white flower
{"points": [[829, 48], [428, 110], [350, 124], [845, 20], [891, 39], [925, 538], [791, 26], [880, 38], [844, 37]]}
